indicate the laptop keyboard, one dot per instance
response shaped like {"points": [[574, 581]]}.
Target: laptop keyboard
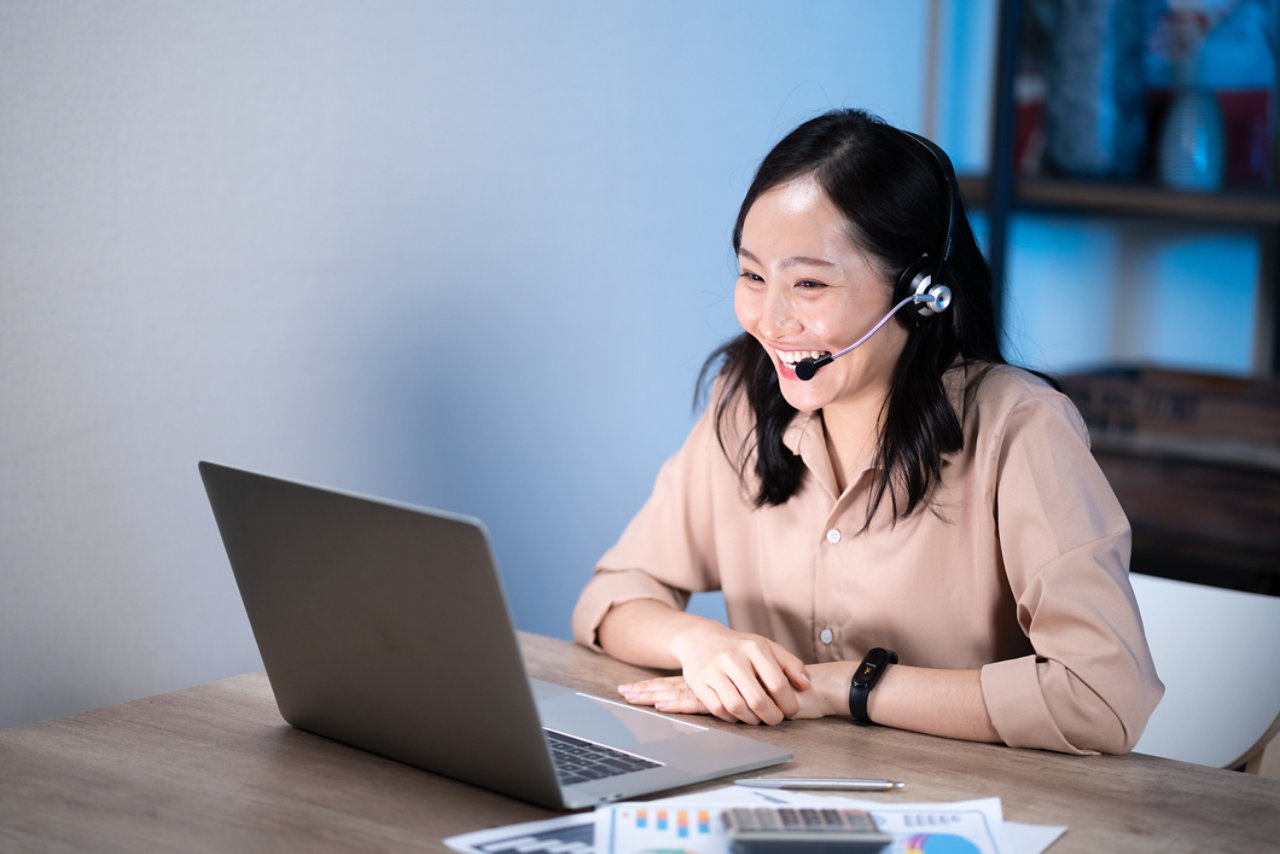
{"points": [[578, 760]]}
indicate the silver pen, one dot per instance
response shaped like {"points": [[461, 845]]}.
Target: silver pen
{"points": [[835, 783]]}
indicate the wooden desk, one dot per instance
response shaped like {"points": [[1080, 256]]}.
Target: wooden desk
{"points": [[214, 768]]}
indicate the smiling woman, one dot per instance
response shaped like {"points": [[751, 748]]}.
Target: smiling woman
{"points": [[917, 517]]}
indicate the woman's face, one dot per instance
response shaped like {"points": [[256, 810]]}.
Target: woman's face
{"points": [[805, 290]]}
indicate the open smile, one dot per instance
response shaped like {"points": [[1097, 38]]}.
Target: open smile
{"points": [[791, 358]]}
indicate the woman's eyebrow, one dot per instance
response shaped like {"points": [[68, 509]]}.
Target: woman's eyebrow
{"points": [[793, 261]]}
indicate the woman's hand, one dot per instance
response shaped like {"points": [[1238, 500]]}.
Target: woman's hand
{"points": [[732, 675], [826, 695]]}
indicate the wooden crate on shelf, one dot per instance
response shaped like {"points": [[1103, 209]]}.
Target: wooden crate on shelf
{"points": [[1195, 461]]}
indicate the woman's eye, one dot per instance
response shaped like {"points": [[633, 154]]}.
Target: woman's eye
{"points": [[809, 283], [749, 276]]}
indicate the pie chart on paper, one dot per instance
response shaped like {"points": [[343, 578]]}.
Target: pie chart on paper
{"points": [[932, 843]]}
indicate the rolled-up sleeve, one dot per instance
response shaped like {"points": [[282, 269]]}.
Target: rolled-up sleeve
{"points": [[1090, 685], [667, 551]]}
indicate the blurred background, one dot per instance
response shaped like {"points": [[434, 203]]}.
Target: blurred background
{"points": [[467, 255]]}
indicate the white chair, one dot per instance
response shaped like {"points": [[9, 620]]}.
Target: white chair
{"points": [[1218, 653]]}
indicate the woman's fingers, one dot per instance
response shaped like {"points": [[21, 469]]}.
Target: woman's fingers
{"points": [[777, 680], [667, 693], [732, 698], [733, 676], [741, 700], [793, 667], [674, 694]]}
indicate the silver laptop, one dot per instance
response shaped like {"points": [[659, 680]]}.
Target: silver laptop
{"points": [[384, 626]]}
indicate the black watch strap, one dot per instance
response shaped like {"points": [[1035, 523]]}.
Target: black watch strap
{"points": [[865, 678]]}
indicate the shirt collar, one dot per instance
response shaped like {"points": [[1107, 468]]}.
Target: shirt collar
{"points": [[806, 437]]}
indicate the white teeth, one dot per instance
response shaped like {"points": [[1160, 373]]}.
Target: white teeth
{"points": [[791, 358]]}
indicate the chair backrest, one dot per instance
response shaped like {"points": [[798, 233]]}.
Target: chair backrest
{"points": [[1218, 653]]}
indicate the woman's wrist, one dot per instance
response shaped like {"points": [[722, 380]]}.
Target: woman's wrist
{"points": [[688, 633], [831, 687]]}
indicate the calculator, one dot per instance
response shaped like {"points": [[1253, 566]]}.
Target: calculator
{"points": [[802, 830]]}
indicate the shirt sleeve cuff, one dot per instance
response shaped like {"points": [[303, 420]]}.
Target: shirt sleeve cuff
{"points": [[1011, 689], [613, 587]]}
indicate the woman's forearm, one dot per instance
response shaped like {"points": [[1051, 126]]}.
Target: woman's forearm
{"points": [[642, 631], [939, 702]]}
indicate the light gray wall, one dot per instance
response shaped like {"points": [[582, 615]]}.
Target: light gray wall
{"points": [[462, 254]]}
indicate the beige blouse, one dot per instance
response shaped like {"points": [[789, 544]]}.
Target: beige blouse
{"points": [[1019, 567]]}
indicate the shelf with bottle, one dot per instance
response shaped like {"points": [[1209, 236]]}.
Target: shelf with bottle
{"points": [[1139, 107]]}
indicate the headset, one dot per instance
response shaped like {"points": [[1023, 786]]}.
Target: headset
{"points": [[925, 280], [921, 292]]}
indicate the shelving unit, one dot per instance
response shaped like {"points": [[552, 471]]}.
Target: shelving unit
{"points": [[1202, 493], [1002, 193], [1256, 208]]}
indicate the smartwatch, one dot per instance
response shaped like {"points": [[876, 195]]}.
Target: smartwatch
{"points": [[873, 666]]}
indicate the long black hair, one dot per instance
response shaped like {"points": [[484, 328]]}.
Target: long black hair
{"points": [[896, 199]]}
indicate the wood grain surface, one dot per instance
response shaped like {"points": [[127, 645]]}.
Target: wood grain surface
{"points": [[214, 768]]}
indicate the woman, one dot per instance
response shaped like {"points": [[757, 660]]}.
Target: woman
{"points": [[916, 513]]}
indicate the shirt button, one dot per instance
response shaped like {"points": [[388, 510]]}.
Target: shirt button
{"points": [[826, 636], [833, 536]]}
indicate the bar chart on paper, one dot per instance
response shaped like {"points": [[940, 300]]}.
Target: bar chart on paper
{"points": [[662, 830]]}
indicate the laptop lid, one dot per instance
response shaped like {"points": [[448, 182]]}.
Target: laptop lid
{"points": [[384, 626]]}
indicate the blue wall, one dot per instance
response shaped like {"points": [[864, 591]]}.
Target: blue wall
{"points": [[463, 254]]}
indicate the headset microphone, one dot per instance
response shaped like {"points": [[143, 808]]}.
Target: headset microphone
{"points": [[808, 367], [934, 300]]}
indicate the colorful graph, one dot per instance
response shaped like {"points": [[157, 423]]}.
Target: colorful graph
{"points": [[933, 843], [682, 823], [660, 830]]}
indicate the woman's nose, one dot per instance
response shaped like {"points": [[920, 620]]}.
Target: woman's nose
{"points": [[778, 316]]}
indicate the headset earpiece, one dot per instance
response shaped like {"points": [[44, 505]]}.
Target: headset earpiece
{"points": [[918, 281]]}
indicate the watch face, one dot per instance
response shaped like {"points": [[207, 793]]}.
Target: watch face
{"points": [[875, 661]]}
